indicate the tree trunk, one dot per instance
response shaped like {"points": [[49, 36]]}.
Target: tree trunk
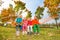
{"points": [[56, 24]]}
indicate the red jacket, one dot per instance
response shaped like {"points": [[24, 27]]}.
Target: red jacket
{"points": [[29, 22]]}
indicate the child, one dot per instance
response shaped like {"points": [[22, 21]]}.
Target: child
{"points": [[24, 27], [29, 26], [36, 27], [18, 21]]}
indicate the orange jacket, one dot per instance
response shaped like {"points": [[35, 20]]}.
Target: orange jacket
{"points": [[35, 22]]}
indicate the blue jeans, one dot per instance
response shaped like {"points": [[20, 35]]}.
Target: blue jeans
{"points": [[18, 27]]}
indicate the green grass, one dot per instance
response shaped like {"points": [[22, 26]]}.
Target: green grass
{"points": [[45, 34]]}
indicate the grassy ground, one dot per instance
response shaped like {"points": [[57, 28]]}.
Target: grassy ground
{"points": [[45, 34]]}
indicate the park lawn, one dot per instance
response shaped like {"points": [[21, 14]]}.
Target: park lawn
{"points": [[7, 33]]}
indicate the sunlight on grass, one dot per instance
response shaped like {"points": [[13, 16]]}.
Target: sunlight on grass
{"points": [[45, 34]]}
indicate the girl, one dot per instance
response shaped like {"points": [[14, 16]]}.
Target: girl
{"points": [[24, 27], [29, 26]]}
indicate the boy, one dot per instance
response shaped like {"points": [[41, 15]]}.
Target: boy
{"points": [[18, 21], [36, 27]]}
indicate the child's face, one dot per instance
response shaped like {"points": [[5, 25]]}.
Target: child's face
{"points": [[35, 17], [29, 18], [21, 16], [25, 18]]}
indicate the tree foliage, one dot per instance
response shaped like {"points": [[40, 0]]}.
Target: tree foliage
{"points": [[19, 5], [52, 5], [39, 12], [7, 14], [29, 14], [1, 2]]}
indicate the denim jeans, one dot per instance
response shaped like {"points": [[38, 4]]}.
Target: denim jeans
{"points": [[18, 27]]}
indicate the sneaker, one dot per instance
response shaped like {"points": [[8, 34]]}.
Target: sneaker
{"points": [[30, 33], [17, 33], [38, 34], [23, 33], [35, 34], [27, 32]]}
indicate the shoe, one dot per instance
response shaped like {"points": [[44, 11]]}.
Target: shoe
{"points": [[17, 33], [34, 33], [28, 33], [25, 32], [38, 34]]}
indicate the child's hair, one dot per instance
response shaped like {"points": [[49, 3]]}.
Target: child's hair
{"points": [[29, 18], [35, 17], [20, 16]]}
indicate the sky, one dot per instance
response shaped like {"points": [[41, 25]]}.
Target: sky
{"points": [[31, 5]]}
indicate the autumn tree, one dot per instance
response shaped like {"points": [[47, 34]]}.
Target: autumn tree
{"points": [[52, 5], [7, 14], [1, 2], [39, 12], [19, 6], [12, 13], [4, 15], [29, 14]]}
